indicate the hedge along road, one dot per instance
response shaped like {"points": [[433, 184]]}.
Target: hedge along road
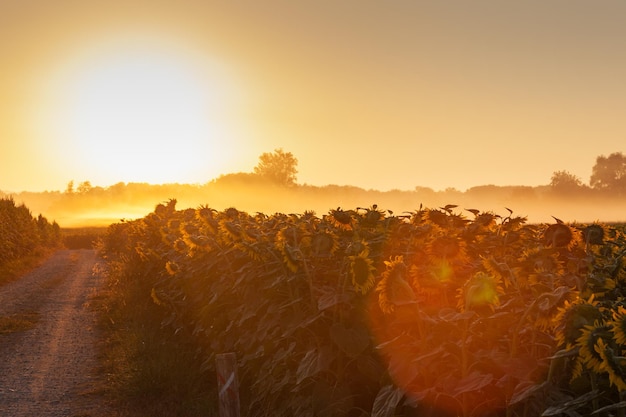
{"points": [[48, 336]]}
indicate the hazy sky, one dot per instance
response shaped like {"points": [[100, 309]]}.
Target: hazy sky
{"points": [[377, 94]]}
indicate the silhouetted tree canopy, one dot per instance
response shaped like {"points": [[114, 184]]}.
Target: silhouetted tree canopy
{"points": [[609, 173], [278, 167], [564, 182]]}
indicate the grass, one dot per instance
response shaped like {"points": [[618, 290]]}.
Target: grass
{"points": [[147, 375], [20, 322]]}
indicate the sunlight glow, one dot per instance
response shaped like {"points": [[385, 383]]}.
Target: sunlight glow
{"points": [[140, 113]]}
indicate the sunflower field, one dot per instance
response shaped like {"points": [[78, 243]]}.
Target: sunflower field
{"points": [[437, 312], [23, 235]]}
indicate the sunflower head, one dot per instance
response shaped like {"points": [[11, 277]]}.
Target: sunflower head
{"points": [[362, 272], [172, 268], [545, 308], [558, 235], [481, 290], [593, 234], [573, 317], [589, 337], [448, 247], [323, 244], [613, 364], [619, 325], [341, 219], [393, 289]]}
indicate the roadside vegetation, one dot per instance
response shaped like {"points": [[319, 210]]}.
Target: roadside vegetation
{"points": [[24, 240], [437, 312]]}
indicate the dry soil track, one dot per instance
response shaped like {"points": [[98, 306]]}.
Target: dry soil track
{"points": [[50, 369]]}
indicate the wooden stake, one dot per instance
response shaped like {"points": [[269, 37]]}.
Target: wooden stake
{"points": [[227, 384]]}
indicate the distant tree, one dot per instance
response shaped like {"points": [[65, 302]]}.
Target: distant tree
{"points": [[278, 167], [609, 173], [84, 187], [70, 187], [563, 182]]}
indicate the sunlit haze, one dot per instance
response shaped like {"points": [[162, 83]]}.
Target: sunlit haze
{"points": [[379, 95]]}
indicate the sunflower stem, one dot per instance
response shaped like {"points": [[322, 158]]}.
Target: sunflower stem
{"points": [[594, 386]]}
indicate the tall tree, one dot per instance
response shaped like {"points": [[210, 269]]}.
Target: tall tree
{"points": [[278, 167], [563, 182], [609, 173]]}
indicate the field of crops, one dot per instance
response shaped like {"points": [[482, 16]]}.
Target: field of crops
{"points": [[438, 312], [22, 235]]}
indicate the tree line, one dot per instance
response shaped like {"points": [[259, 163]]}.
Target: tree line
{"points": [[608, 175]]}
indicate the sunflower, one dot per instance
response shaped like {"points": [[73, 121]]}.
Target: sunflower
{"points": [[321, 244], [619, 325], [499, 269], [589, 337], [558, 235], [572, 317], [172, 268], [393, 289], [230, 231], [341, 219], [448, 247], [593, 234], [362, 272], [545, 308], [291, 255], [613, 365], [481, 290]]}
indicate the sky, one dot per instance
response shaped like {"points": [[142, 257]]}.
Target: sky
{"points": [[380, 95]]}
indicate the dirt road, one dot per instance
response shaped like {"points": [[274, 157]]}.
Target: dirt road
{"points": [[48, 362]]}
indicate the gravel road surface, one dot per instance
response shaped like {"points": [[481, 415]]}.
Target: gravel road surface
{"points": [[50, 369]]}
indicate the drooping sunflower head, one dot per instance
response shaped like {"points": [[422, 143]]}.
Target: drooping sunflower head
{"points": [[619, 325], [593, 234], [613, 364], [230, 230], [341, 219], [481, 290], [323, 244], [499, 269], [541, 260], [558, 235], [172, 268], [393, 288], [448, 247], [441, 273], [362, 272], [546, 306], [573, 317], [589, 337]]}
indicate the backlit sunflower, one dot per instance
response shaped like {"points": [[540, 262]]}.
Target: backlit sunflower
{"points": [[172, 268], [341, 219], [362, 272], [572, 317], [589, 337], [481, 290], [618, 324], [320, 244], [230, 230], [393, 289], [291, 255], [613, 364], [447, 247], [545, 308], [558, 235]]}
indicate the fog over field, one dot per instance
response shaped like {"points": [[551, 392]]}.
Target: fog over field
{"points": [[99, 206]]}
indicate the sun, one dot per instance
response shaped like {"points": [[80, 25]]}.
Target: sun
{"points": [[143, 112]]}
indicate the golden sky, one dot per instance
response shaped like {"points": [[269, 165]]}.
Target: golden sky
{"points": [[382, 95]]}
